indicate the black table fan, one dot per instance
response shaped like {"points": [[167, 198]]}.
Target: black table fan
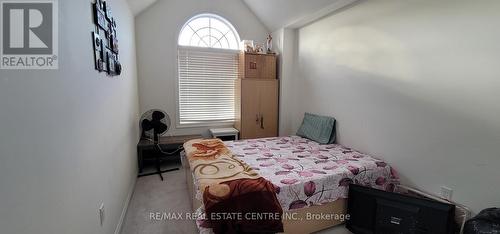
{"points": [[154, 124]]}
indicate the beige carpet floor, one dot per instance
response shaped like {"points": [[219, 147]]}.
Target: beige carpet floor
{"points": [[153, 195]]}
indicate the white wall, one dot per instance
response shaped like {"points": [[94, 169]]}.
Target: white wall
{"points": [[414, 82], [67, 136], [285, 44], [158, 29]]}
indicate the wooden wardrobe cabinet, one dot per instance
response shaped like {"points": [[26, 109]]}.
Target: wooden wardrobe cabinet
{"points": [[257, 95]]}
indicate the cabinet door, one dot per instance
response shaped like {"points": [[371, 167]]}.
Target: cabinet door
{"points": [[268, 108], [267, 65], [249, 108]]}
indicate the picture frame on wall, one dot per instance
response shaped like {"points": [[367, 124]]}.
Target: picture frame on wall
{"points": [[100, 4], [105, 60], [107, 10], [98, 49], [99, 17], [114, 44], [108, 34], [111, 63]]}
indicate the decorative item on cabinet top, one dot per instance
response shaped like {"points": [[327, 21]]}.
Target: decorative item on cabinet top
{"points": [[105, 40], [269, 44], [247, 46]]}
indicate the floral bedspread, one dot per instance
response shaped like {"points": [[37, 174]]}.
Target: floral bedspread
{"points": [[306, 173]]}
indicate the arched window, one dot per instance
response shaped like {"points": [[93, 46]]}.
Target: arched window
{"points": [[209, 30], [207, 69]]}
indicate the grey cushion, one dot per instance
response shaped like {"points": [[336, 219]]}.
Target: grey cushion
{"points": [[318, 128]]}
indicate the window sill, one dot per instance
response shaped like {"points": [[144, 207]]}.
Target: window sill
{"points": [[204, 125]]}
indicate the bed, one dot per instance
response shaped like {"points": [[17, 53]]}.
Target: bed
{"points": [[311, 180]]}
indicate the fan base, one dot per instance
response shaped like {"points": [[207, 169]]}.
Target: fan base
{"points": [[158, 173]]}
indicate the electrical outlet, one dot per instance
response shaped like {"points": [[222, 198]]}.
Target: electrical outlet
{"points": [[446, 193], [101, 214]]}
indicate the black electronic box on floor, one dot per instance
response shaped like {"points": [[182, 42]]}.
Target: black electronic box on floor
{"points": [[374, 211]]}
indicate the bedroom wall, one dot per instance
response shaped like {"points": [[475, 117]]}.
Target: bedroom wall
{"points": [[413, 82], [285, 44], [158, 29], [68, 136]]}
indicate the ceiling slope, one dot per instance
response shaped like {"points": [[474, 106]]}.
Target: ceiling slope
{"points": [[276, 14], [137, 6]]}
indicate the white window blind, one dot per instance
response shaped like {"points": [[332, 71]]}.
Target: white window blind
{"points": [[207, 85]]}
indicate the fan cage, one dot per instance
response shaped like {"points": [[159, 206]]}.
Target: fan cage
{"points": [[149, 116]]}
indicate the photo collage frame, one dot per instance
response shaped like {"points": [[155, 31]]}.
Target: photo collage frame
{"points": [[105, 40]]}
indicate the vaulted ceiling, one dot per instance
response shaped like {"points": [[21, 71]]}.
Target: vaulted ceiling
{"points": [[275, 14], [137, 6]]}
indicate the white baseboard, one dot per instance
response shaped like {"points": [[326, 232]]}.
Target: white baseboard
{"points": [[119, 226]]}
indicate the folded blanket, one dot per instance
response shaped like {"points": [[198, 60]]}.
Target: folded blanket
{"points": [[236, 198]]}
